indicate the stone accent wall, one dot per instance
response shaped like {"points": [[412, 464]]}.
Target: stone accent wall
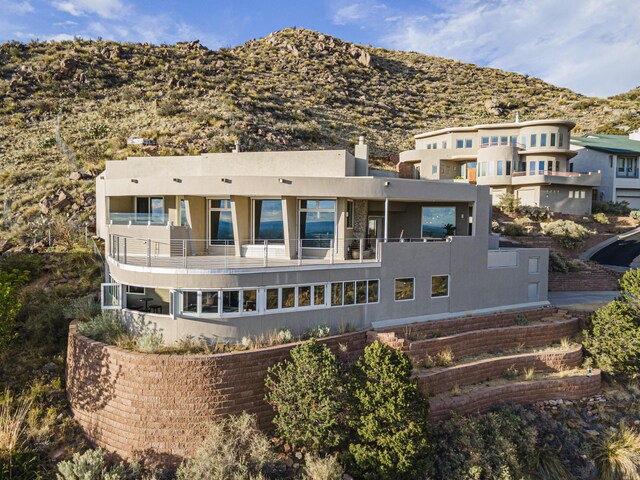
{"points": [[439, 380], [360, 214], [569, 388], [157, 405]]}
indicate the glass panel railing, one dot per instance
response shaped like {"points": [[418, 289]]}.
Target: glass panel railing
{"points": [[138, 218]]}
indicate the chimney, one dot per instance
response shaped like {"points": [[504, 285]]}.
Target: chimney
{"points": [[362, 158], [517, 117]]}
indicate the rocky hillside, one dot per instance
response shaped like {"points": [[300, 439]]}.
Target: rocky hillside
{"points": [[293, 89]]}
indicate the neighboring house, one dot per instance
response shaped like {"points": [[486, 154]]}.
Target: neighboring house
{"points": [[230, 245], [616, 156], [527, 159]]}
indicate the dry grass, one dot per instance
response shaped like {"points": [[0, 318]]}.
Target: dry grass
{"points": [[617, 456], [529, 373], [444, 358], [13, 420]]}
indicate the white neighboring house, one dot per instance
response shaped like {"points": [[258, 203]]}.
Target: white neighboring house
{"points": [[616, 156]]}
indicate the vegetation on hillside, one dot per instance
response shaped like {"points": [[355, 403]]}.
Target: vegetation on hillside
{"points": [[293, 89]]}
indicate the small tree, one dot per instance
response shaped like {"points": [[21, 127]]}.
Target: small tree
{"points": [[613, 336], [388, 416], [508, 202], [9, 303], [307, 394]]}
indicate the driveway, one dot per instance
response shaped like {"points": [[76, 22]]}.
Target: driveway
{"points": [[620, 253], [565, 299]]}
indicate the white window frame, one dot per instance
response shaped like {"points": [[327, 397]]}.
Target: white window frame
{"points": [[413, 289], [319, 210], [253, 218], [129, 292], [118, 288], [217, 209], [448, 285]]}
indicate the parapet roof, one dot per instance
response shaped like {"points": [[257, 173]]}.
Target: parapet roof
{"points": [[497, 126], [608, 143]]}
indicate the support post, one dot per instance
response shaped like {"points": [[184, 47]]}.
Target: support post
{"points": [[386, 219]]}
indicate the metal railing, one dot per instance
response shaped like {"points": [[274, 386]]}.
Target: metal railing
{"points": [[229, 255], [548, 172], [125, 218]]}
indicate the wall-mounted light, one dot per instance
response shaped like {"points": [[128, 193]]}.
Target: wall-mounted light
{"points": [[386, 184], [134, 180], [225, 180], [284, 180], [177, 180]]}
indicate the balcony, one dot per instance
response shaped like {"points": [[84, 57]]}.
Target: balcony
{"points": [[591, 179], [122, 218], [202, 256]]}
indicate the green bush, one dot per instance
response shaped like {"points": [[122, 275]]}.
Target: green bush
{"points": [[613, 335], [567, 233], [620, 209], [307, 394], [322, 468], [234, 449], [319, 331], [10, 303], [82, 308], [601, 218], [537, 214], [22, 262], [388, 417], [513, 229], [559, 263], [105, 327], [149, 341], [92, 465], [22, 464], [508, 202]]}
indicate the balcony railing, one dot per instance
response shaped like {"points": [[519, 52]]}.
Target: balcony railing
{"points": [[226, 255], [502, 144], [548, 172], [630, 173], [138, 218]]}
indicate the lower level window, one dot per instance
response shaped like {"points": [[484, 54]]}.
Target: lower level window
{"points": [[440, 286], [216, 302], [404, 289], [354, 293]]}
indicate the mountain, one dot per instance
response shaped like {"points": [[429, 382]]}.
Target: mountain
{"points": [[294, 89]]}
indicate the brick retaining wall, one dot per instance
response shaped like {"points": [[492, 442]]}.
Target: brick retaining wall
{"points": [[157, 405], [569, 388], [438, 380]]}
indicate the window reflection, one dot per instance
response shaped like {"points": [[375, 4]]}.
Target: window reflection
{"points": [[438, 221], [268, 220]]}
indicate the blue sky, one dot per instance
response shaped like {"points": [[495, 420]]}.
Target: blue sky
{"points": [[590, 46]]}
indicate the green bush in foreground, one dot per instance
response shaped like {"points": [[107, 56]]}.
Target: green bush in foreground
{"points": [[307, 394], [91, 465], [567, 232], [388, 417], [234, 449], [105, 327]]}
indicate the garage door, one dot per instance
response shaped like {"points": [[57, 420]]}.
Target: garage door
{"points": [[634, 202], [527, 196]]}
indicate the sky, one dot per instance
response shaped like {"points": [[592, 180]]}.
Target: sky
{"points": [[589, 46]]}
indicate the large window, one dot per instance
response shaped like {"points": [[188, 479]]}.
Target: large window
{"points": [[354, 292], [268, 224], [627, 167], [404, 289], [317, 222], [438, 221], [440, 286], [220, 222], [208, 303], [150, 209]]}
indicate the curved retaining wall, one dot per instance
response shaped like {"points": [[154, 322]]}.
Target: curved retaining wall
{"points": [[157, 405], [494, 339], [569, 388], [438, 380]]}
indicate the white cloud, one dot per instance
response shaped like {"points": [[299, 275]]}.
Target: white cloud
{"points": [[356, 12], [59, 37], [16, 8], [103, 8], [590, 46]]}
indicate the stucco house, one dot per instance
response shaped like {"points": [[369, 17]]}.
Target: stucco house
{"points": [[616, 156], [528, 159], [229, 245]]}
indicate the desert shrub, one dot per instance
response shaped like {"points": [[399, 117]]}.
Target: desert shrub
{"points": [[567, 233], [105, 327], [613, 335], [170, 109], [493, 445], [635, 214], [537, 214], [508, 202], [234, 449], [601, 218], [620, 209], [562, 264], [10, 303], [444, 358], [307, 394], [319, 331], [92, 465], [22, 262], [388, 416], [82, 308], [495, 226], [322, 468], [617, 455], [149, 341], [521, 320], [513, 229]]}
